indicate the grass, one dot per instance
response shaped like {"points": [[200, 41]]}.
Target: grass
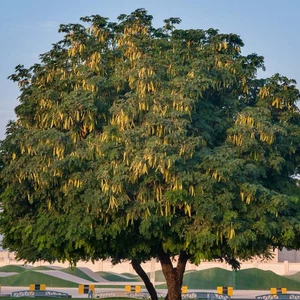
{"points": [[250, 279], [256, 278], [132, 276], [77, 272], [31, 277], [13, 268], [116, 277], [41, 268], [159, 276], [295, 276], [114, 286]]}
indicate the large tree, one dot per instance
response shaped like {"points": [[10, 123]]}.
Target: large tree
{"points": [[134, 142]]}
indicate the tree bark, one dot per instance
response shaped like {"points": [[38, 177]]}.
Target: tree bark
{"points": [[174, 276], [148, 284], [181, 264]]}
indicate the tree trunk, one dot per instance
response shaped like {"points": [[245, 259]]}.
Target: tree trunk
{"points": [[148, 284], [174, 276], [181, 264]]}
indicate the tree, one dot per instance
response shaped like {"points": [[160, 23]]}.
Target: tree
{"points": [[134, 142]]}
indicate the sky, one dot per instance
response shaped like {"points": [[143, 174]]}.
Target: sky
{"points": [[29, 27]]}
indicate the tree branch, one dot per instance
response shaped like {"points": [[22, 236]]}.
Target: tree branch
{"points": [[140, 271]]}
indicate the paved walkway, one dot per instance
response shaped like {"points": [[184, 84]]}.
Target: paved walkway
{"points": [[65, 276], [238, 294], [4, 274], [92, 274]]}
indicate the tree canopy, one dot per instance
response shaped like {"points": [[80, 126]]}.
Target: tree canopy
{"points": [[134, 142]]}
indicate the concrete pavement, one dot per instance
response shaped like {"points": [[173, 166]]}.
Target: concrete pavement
{"points": [[237, 294]]}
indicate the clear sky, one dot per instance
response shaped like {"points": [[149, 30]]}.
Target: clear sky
{"points": [[29, 27]]}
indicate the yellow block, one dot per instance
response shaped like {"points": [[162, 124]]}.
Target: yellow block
{"points": [[184, 289], [32, 287], [226, 290], [275, 291], [81, 289], [35, 287], [132, 288], [92, 288], [230, 291], [127, 288]]}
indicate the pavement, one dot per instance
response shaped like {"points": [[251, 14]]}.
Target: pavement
{"points": [[237, 294], [92, 274], [63, 275]]}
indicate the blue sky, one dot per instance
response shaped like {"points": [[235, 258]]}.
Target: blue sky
{"points": [[29, 27]]}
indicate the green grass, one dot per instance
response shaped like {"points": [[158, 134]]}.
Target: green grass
{"points": [[259, 279], [249, 279], [116, 277], [114, 286], [77, 272], [13, 268], [41, 268], [159, 276], [31, 277], [133, 276], [296, 277]]}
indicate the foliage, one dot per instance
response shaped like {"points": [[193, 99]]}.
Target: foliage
{"points": [[135, 142]]}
